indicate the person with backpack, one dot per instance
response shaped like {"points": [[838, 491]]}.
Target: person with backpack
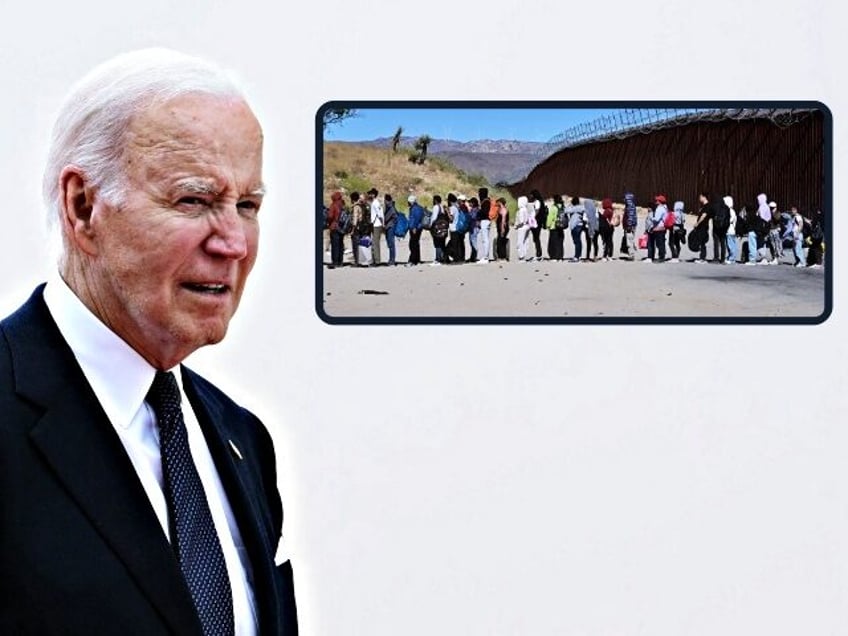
{"points": [[452, 251], [358, 212], [677, 231], [334, 213], [523, 219], [742, 222], [494, 230], [439, 228], [655, 229], [732, 241], [774, 240], [556, 228], [575, 226], [540, 217], [796, 222], [502, 225], [590, 228], [629, 221], [485, 224], [389, 221], [474, 227], [816, 252], [416, 214], [701, 231], [463, 224], [757, 228], [721, 223], [377, 223], [606, 227]]}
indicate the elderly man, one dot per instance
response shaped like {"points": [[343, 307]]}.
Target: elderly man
{"points": [[136, 497]]}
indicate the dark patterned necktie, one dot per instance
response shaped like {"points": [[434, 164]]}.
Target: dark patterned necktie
{"points": [[193, 536]]}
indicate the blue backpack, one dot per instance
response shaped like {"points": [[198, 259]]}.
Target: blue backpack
{"points": [[463, 221], [401, 225]]}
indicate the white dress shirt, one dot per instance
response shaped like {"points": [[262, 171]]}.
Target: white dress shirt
{"points": [[120, 378]]}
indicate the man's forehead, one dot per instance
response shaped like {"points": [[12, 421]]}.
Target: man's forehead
{"points": [[182, 118], [202, 142]]}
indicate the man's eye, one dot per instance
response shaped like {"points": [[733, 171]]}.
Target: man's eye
{"points": [[248, 207], [192, 200]]}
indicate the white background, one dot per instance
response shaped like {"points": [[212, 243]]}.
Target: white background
{"points": [[499, 480]]}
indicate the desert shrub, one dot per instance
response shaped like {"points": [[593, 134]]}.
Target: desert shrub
{"points": [[358, 183], [477, 180]]}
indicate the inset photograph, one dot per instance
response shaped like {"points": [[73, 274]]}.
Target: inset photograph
{"points": [[573, 212]]}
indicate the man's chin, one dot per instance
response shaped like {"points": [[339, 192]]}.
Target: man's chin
{"points": [[203, 334]]}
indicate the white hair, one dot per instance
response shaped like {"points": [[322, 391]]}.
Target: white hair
{"points": [[92, 123]]}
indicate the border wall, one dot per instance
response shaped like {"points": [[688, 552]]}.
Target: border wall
{"points": [[754, 152]]}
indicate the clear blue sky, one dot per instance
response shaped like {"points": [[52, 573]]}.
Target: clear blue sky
{"points": [[462, 124]]}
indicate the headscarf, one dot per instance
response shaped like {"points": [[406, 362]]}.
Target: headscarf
{"points": [[678, 213], [606, 204], [523, 216], [336, 207], [763, 210]]}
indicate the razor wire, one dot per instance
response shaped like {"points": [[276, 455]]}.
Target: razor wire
{"points": [[633, 121]]}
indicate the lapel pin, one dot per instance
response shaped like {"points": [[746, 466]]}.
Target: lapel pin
{"points": [[236, 451]]}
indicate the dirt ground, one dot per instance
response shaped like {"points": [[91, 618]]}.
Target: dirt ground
{"points": [[553, 289]]}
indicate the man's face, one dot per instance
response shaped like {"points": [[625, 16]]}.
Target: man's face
{"points": [[171, 262]]}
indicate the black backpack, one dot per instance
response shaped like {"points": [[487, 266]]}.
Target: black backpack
{"points": [[762, 228], [364, 227], [721, 221], [345, 223], [817, 231], [541, 215], [440, 226], [742, 224]]}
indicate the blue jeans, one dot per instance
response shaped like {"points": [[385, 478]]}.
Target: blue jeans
{"points": [[752, 247], [576, 236], [732, 248], [798, 248], [336, 248], [472, 239], [656, 245], [390, 241]]}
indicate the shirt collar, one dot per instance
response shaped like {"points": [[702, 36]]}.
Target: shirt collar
{"points": [[119, 376]]}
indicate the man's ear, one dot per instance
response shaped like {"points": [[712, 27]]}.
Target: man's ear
{"points": [[77, 205]]}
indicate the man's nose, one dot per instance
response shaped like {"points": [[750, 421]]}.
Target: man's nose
{"points": [[229, 234]]}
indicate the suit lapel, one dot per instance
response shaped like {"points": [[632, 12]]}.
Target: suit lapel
{"points": [[222, 429], [82, 449]]}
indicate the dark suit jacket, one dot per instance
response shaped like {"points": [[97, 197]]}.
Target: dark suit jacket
{"points": [[81, 550]]}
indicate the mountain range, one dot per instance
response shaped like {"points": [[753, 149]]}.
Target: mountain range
{"points": [[498, 160]]}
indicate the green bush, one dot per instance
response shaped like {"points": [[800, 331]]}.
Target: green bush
{"points": [[355, 182]]}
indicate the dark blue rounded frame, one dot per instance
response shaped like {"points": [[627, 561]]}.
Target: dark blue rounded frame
{"points": [[827, 205]]}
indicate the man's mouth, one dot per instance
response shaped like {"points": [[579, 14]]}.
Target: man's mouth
{"points": [[207, 288]]}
